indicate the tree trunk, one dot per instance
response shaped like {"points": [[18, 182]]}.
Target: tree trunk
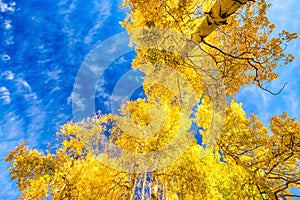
{"points": [[133, 186], [217, 16], [143, 187]]}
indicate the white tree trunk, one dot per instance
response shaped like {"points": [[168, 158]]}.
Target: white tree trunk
{"points": [[217, 16]]}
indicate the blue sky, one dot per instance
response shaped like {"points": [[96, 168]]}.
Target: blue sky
{"points": [[43, 43]]}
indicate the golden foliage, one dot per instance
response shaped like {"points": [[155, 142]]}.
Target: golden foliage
{"points": [[249, 161]]}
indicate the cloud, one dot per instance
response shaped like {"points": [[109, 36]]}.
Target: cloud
{"points": [[7, 75], [121, 61], [11, 127], [104, 9], [4, 7], [265, 105], [6, 57], [53, 75], [7, 24], [77, 100], [284, 14], [291, 98], [5, 95], [255, 101]]}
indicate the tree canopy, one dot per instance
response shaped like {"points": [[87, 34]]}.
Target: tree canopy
{"points": [[189, 138]]}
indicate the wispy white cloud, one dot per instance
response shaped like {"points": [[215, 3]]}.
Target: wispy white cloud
{"points": [[7, 75], [5, 57], [11, 127], [104, 9], [292, 99], [255, 101], [77, 100], [285, 14], [4, 7], [53, 75], [7, 24], [120, 61], [5, 95]]}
